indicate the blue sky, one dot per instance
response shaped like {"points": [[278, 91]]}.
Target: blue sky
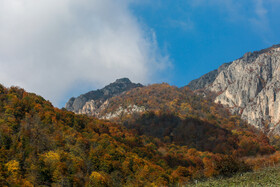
{"points": [[200, 35], [60, 49]]}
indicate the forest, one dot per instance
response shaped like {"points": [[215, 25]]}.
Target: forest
{"points": [[187, 139], [187, 118]]}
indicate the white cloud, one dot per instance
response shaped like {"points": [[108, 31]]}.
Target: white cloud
{"points": [[47, 45], [260, 19]]}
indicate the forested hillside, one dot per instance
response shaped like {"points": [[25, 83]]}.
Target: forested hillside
{"points": [[43, 145], [181, 116]]}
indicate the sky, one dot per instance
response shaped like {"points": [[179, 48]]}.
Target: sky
{"points": [[60, 49]]}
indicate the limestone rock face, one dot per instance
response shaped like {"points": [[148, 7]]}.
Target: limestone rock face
{"points": [[131, 109], [207, 79], [93, 102], [250, 87]]}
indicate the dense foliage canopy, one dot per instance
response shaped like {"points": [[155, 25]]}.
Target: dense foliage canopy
{"points": [[43, 145], [181, 116]]}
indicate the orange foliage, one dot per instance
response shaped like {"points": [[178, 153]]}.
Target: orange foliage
{"points": [[43, 145]]}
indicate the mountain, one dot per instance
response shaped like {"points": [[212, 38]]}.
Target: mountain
{"points": [[44, 146], [41, 145], [249, 87], [92, 102], [158, 135], [181, 116], [207, 79]]}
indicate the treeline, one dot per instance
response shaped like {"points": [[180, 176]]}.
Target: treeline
{"points": [[43, 145]]}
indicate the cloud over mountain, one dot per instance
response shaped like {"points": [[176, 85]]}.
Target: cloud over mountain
{"points": [[48, 46]]}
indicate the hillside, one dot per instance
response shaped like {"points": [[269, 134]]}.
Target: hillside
{"points": [[43, 145], [265, 177], [180, 116], [249, 87]]}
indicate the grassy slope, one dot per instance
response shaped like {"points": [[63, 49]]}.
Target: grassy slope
{"points": [[265, 177]]}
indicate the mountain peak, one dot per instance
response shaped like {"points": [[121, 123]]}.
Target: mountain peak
{"points": [[90, 102], [249, 87], [123, 81], [268, 49], [251, 56], [208, 78]]}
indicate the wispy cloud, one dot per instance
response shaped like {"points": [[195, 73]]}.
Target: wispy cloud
{"points": [[229, 7], [185, 25], [47, 46], [259, 20], [251, 12]]}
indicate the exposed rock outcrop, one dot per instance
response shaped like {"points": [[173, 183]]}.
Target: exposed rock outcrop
{"points": [[121, 111], [93, 102], [207, 79], [250, 87]]}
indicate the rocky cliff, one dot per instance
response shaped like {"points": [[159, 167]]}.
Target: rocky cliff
{"points": [[93, 102], [250, 87], [207, 79]]}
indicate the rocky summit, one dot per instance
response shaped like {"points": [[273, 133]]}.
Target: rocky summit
{"points": [[93, 102], [249, 86]]}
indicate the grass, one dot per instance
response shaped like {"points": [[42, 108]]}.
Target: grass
{"points": [[265, 177]]}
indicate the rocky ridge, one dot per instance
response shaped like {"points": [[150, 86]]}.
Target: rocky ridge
{"points": [[95, 101], [207, 79], [250, 87]]}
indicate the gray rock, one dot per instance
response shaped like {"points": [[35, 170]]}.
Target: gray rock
{"points": [[250, 87], [93, 102], [207, 79]]}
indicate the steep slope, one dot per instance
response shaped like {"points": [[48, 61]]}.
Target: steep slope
{"points": [[180, 116], [44, 146], [250, 87], [92, 102]]}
